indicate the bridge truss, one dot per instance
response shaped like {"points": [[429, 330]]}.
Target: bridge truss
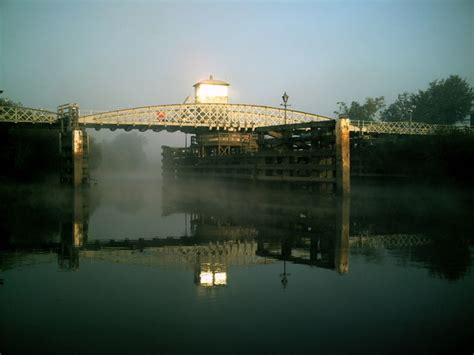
{"points": [[404, 128], [226, 117], [230, 117], [9, 114]]}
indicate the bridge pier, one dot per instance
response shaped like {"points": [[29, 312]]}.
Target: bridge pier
{"points": [[343, 161], [74, 147], [74, 228], [341, 259], [315, 154]]}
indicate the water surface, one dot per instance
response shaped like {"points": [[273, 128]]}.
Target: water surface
{"points": [[142, 266]]}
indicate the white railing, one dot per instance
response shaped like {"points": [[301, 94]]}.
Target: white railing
{"points": [[220, 116], [11, 114], [403, 127]]}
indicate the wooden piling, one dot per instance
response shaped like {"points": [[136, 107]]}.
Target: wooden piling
{"points": [[74, 147], [78, 155], [298, 154], [341, 257], [343, 169]]}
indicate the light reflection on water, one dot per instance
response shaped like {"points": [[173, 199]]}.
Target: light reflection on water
{"points": [[195, 268]]}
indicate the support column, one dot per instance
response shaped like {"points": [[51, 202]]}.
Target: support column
{"points": [[80, 214], [343, 169], [78, 156], [74, 227], [74, 147], [341, 257]]}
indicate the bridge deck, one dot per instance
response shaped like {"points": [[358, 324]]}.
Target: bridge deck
{"points": [[210, 116], [28, 116], [197, 117]]}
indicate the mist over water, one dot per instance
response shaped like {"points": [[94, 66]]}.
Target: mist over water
{"points": [[132, 208], [138, 263], [127, 155], [159, 262]]}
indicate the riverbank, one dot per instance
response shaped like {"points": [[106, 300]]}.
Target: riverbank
{"points": [[444, 157]]}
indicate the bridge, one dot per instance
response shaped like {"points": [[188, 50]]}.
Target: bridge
{"points": [[285, 145], [274, 144], [196, 117], [183, 117]]}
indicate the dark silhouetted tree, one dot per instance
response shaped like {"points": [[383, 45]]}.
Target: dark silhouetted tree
{"points": [[7, 102], [446, 101], [27, 154], [400, 110], [365, 112]]}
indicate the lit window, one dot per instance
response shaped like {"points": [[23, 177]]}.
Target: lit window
{"points": [[206, 90], [205, 278], [220, 278]]}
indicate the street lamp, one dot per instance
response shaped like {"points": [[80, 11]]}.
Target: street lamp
{"points": [[285, 98], [284, 275], [410, 110]]}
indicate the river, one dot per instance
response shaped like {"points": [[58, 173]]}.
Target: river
{"points": [[146, 266]]}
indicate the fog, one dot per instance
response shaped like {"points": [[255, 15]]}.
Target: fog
{"points": [[121, 154]]}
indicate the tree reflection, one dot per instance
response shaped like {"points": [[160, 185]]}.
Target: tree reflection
{"points": [[239, 225]]}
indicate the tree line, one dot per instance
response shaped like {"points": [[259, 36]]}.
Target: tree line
{"points": [[31, 154], [445, 101]]}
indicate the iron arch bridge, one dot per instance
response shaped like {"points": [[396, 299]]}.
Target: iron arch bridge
{"points": [[188, 117], [24, 115], [193, 117], [184, 117]]}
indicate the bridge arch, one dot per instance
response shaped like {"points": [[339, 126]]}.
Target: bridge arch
{"points": [[192, 117]]}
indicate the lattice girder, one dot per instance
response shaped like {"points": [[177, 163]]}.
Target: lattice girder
{"points": [[11, 114], [218, 116], [226, 117], [403, 127]]}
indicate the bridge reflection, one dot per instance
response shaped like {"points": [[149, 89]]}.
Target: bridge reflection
{"points": [[229, 227], [278, 227], [285, 224]]}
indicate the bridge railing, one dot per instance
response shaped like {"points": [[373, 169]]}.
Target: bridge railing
{"points": [[12, 114], [404, 127], [90, 112], [222, 116]]}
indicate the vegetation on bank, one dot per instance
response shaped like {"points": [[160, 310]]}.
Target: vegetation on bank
{"points": [[29, 154], [445, 101], [33, 154], [444, 156]]}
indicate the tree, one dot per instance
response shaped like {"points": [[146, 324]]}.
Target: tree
{"points": [[8, 102], [27, 153], [401, 109], [446, 101], [365, 112]]}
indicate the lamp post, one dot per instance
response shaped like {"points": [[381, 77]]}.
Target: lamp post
{"points": [[410, 110], [285, 98], [284, 275]]}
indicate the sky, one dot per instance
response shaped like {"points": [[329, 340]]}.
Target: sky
{"points": [[120, 54]]}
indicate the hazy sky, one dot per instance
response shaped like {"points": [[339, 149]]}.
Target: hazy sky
{"points": [[119, 54]]}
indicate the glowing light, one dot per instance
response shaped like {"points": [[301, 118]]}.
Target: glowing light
{"points": [[205, 279], [212, 278], [206, 90], [220, 278]]}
